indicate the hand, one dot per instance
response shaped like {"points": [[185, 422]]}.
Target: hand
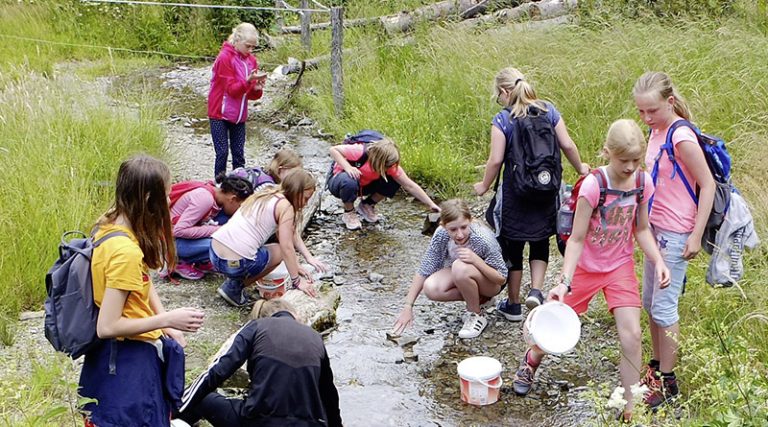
{"points": [[185, 319], [404, 320], [662, 274], [557, 293], [308, 288], [480, 188], [584, 169], [467, 256], [692, 247], [435, 208], [353, 173], [319, 265], [259, 85], [176, 335], [305, 274]]}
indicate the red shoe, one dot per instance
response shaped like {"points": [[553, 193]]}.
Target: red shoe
{"points": [[206, 267]]}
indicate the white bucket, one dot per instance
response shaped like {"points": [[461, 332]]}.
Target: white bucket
{"points": [[480, 380], [274, 284], [554, 327]]}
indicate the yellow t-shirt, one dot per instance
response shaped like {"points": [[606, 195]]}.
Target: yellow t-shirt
{"points": [[118, 263]]}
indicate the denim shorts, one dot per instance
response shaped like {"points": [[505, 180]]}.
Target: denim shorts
{"points": [[661, 304], [242, 268]]}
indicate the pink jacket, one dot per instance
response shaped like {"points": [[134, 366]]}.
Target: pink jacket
{"points": [[193, 210], [230, 90]]}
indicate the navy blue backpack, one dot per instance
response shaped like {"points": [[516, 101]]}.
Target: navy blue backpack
{"points": [[365, 137]]}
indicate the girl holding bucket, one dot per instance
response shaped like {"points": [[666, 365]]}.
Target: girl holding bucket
{"points": [[463, 263], [599, 253]]}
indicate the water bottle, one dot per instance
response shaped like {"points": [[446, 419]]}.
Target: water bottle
{"points": [[565, 214]]}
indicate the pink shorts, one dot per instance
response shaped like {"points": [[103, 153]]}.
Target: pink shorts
{"points": [[620, 288]]}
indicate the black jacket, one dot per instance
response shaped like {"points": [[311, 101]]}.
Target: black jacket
{"points": [[291, 382]]}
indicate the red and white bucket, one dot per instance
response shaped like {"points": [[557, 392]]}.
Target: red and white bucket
{"points": [[480, 379], [274, 284]]}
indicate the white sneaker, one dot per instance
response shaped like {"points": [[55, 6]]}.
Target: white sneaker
{"points": [[473, 326], [368, 212], [351, 220]]}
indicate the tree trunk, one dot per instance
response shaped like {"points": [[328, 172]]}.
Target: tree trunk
{"points": [[405, 21]]}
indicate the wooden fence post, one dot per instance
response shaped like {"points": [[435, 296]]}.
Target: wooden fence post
{"points": [[279, 15], [337, 71], [306, 31]]}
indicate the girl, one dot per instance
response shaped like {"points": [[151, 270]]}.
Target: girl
{"points": [[379, 176], [598, 256], [124, 374], [677, 222], [235, 80], [239, 249], [192, 217], [291, 377], [523, 220], [463, 263]]}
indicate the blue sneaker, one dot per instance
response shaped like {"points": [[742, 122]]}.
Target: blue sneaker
{"points": [[232, 292], [535, 299], [510, 311]]}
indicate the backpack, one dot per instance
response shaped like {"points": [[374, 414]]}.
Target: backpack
{"points": [[181, 188], [719, 163], [70, 311], [365, 137], [255, 176], [533, 156], [568, 206]]}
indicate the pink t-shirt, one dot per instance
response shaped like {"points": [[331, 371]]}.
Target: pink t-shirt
{"points": [[673, 208], [193, 211], [606, 249], [353, 152]]}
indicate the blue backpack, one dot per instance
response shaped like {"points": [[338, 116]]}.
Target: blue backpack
{"points": [[365, 137], [719, 163], [70, 312]]}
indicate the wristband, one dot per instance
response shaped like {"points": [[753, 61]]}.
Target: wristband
{"points": [[567, 282]]}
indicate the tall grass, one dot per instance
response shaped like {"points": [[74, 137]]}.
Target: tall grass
{"points": [[61, 146]]}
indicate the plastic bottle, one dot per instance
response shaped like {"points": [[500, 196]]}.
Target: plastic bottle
{"points": [[565, 215]]}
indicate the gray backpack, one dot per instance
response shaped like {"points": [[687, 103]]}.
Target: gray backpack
{"points": [[70, 312]]}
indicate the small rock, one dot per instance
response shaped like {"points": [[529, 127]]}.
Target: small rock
{"points": [[306, 121], [29, 315], [375, 277], [339, 280], [410, 356]]}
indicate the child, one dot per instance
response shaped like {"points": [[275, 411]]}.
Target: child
{"points": [[291, 377], [378, 177], [523, 220], [463, 263], [282, 162], [125, 375], [239, 250], [235, 80], [599, 253], [192, 217], [676, 219]]}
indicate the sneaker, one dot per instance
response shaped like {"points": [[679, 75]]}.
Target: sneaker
{"points": [[510, 311], [664, 390], [523, 379], [535, 299], [351, 220], [651, 375], [473, 326], [206, 267], [233, 293], [188, 271], [368, 212]]}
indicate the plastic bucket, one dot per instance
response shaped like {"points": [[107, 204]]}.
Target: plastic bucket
{"points": [[480, 380], [273, 285], [554, 327]]}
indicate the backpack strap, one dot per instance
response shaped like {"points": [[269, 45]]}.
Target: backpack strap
{"points": [[108, 236], [363, 157], [669, 149]]}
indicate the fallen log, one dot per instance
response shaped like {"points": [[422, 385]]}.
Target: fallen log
{"points": [[405, 21], [535, 11]]}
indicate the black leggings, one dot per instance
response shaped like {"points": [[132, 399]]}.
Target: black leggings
{"points": [[512, 251]]}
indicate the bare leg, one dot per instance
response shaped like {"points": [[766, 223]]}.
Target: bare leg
{"points": [[514, 278], [440, 287], [538, 271], [471, 284], [628, 326], [668, 348], [654, 338], [275, 258], [376, 197]]}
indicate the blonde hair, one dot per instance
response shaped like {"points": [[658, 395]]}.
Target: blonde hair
{"points": [[283, 159], [244, 31], [267, 308], [382, 155], [296, 182], [656, 82], [521, 93], [454, 209], [625, 138]]}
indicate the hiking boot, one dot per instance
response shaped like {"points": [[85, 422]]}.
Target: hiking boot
{"points": [[232, 292], [523, 379], [663, 390], [535, 298], [188, 271], [473, 326], [368, 212], [206, 267], [510, 311], [651, 375], [351, 220]]}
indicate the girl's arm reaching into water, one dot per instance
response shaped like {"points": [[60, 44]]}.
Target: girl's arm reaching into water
{"points": [[495, 160], [286, 230], [416, 191], [647, 243], [573, 249], [298, 242], [569, 148], [405, 319]]}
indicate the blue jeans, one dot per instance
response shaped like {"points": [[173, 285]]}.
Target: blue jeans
{"points": [[227, 135], [661, 304], [241, 269], [193, 251], [347, 188]]}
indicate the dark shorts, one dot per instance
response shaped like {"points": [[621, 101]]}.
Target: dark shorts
{"points": [[512, 251]]}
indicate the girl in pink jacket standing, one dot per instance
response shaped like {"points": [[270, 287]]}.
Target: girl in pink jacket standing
{"points": [[235, 80]]}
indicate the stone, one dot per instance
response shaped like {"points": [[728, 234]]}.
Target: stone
{"points": [[375, 277], [339, 280], [410, 356]]}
